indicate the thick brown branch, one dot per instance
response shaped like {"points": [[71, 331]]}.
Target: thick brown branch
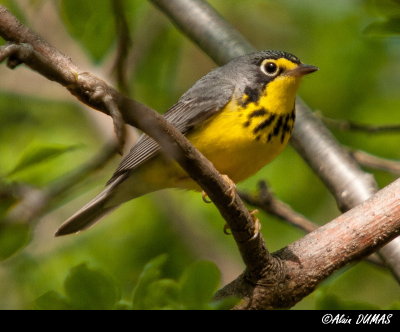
{"points": [[310, 260], [267, 202], [45, 59]]}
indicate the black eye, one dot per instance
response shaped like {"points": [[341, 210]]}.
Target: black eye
{"points": [[269, 68]]}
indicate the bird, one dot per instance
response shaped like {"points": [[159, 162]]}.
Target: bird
{"points": [[240, 116]]}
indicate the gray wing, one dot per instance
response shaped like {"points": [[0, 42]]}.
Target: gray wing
{"points": [[206, 98]]}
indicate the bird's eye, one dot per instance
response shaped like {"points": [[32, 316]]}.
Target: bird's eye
{"points": [[269, 68]]}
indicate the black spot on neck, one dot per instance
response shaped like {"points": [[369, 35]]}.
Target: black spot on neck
{"points": [[265, 123], [260, 112], [278, 126], [253, 95]]}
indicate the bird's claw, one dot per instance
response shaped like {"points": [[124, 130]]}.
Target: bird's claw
{"points": [[205, 198], [257, 224], [232, 188], [226, 229]]}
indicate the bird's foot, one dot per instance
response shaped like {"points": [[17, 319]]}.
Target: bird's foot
{"points": [[231, 191], [257, 225]]}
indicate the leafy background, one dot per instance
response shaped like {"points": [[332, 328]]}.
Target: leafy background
{"points": [[167, 249]]}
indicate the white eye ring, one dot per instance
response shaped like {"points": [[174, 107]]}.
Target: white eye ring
{"points": [[269, 68]]}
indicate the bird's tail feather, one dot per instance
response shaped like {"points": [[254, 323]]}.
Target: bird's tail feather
{"points": [[91, 212]]}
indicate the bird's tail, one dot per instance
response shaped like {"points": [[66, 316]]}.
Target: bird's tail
{"points": [[90, 213]]}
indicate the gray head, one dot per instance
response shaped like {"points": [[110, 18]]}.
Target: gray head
{"points": [[250, 73]]}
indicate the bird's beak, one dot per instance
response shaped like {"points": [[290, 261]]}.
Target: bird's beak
{"points": [[301, 70]]}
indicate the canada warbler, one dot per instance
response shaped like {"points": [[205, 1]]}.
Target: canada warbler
{"points": [[240, 116]]}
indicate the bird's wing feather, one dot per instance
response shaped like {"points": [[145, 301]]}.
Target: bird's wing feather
{"points": [[206, 98]]}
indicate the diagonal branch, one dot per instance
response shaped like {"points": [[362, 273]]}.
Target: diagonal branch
{"points": [[28, 48]]}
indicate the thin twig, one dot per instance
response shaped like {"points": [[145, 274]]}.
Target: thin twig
{"points": [[98, 161], [124, 44], [375, 162], [267, 202], [347, 125], [35, 202], [118, 121]]}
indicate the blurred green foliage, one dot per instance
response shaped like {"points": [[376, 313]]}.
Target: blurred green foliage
{"points": [[87, 288], [121, 263]]}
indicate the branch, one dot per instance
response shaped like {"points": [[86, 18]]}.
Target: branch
{"points": [[36, 202], [354, 126], [28, 48], [374, 162], [311, 259], [124, 44], [267, 202]]}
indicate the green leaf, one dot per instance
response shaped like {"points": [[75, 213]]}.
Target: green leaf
{"points": [[12, 238], [198, 284], [40, 153], [90, 289], [52, 301], [162, 294], [91, 23], [151, 272]]}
